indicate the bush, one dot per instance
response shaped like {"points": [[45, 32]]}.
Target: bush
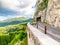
{"points": [[4, 39], [43, 5], [20, 37]]}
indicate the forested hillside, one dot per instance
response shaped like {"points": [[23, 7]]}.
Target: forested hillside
{"points": [[11, 34], [13, 31]]}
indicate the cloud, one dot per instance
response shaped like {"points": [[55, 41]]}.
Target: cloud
{"points": [[15, 4], [6, 12], [24, 3], [13, 8], [2, 18]]}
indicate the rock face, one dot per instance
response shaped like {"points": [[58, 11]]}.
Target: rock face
{"points": [[52, 13]]}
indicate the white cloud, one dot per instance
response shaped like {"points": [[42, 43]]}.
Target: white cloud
{"points": [[2, 18], [15, 4], [10, 4], [24, 6]]}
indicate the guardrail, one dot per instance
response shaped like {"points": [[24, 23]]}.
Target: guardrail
{"points": [[39, 38], [36, 23]]}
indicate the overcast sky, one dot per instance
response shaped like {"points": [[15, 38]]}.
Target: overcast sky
{"points": [[16, 8]]}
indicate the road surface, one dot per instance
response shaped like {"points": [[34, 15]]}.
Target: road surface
{"points": [[51, 31]]}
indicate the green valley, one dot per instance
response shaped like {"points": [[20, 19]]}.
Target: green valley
{"points": [[13, 31], [13, 21]]}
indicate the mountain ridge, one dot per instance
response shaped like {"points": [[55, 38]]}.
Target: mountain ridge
{"points": [[13, 21]]}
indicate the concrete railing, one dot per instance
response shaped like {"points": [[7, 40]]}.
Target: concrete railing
{"points": [[36, 37]]}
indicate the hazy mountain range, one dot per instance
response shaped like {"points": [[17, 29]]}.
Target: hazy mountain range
{"points": [[13, 21]]}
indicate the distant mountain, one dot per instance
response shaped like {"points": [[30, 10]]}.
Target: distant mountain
{"points": [[14, 21]]}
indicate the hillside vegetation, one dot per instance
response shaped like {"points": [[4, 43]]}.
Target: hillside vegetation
{"points": [[11, 34], [14, 34]]}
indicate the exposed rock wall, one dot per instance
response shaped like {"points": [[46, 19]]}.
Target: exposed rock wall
{"points": [[52, 16], [53, 13]]}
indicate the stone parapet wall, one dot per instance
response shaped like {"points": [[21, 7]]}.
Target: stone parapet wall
{"points": [[36, 37]]}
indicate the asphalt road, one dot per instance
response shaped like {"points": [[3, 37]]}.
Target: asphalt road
{"points": [[51, 31]]}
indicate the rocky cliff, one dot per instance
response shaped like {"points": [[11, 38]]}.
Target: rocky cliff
{"points": [[49, 11]]}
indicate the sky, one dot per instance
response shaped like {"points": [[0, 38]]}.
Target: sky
{"points": [[16, 8]]}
